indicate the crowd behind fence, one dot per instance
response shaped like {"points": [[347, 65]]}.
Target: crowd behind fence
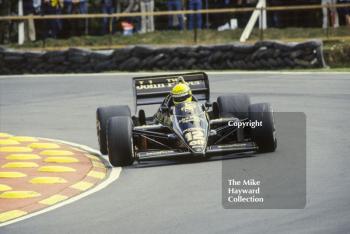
{"points": [[66, 18]]}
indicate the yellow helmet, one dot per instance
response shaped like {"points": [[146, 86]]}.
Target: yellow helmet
{"points": [[181, 92]]}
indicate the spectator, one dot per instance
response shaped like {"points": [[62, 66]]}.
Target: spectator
{"points": [[83, 9], [28, 9], [37, 6], [344, 12], [133, 6], [83, 6], [333, 14], [68, 6], [74, 26], [195, 5], [275, 19], [147, 22], [225, 21], [108, 7], [52, 7], [69, 25], [175, 5], [79, 6]]}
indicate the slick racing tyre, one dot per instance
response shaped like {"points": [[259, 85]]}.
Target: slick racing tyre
{"points": [[103, 114], [120, 141], [234, 106], [264, 136]]}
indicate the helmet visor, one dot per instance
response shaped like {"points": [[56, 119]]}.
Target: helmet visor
{"points": [[181, 98]]}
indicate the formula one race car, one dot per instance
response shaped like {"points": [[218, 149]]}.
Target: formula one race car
{"points": [[196, 128]]}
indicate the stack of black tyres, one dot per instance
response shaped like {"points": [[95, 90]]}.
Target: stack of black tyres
{"points": [[265, 55]]}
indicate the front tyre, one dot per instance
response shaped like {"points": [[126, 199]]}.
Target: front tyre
{"points": [[264, 136], [103, 114], [120, 141], [233, 106]]}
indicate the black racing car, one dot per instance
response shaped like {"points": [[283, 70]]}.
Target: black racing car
{"points": [[198, 129]]}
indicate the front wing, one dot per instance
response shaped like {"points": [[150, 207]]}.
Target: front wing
{"points": [[214, 150]]}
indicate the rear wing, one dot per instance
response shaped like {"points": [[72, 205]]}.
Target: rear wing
{"points": [[151, 90]]}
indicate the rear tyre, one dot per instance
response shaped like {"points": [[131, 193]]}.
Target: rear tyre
{"points": [[234, 106], [120, 141], [264, 136], [103, 114]]}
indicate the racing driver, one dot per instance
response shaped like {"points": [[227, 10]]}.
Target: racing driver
{"points": [[180, 93]]}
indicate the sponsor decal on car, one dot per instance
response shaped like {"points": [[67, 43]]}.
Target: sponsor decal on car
{"points": [[195, 137], [150, 84], [157, 153]]}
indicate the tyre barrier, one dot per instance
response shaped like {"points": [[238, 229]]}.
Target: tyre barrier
{"points": [[266, 55]]}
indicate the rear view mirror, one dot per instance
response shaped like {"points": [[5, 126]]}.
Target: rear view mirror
{"points": [[208, 104], [164, 109]]}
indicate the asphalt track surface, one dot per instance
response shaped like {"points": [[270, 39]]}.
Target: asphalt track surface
{"points": [[186, 198]]}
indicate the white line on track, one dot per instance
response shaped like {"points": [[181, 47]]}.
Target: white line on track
{"points": [[325, 72], [113, 175]]}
